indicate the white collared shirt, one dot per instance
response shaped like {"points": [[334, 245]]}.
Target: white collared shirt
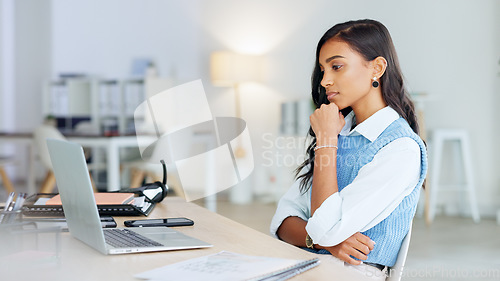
{"points": [[376, 191]]}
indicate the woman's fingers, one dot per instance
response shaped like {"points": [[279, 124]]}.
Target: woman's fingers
{"points": [[343, 251], [348, 259], [357, 246], [327, 121], [342, 120], [357, 254], [365, 240]]}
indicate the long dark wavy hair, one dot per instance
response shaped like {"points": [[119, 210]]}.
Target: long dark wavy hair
{"points": [[370, 39]]}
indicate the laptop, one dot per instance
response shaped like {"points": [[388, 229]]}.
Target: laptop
{"points": [[80, 209]]}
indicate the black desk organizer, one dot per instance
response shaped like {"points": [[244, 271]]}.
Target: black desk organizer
{"points": [[29, 209]]}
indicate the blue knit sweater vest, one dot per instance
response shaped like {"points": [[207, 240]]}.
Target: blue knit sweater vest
{"points": [[356, 151]]}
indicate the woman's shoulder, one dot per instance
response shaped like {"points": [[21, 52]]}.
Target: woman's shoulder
{"points": [[399, 130]]}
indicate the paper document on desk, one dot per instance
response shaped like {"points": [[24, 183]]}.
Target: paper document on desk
{"points": [[231, 267]]}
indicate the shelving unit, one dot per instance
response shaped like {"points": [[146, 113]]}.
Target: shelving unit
{"points": [[133, 94], [68, 101], [108, 104]]}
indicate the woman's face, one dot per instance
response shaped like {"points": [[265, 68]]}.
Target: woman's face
{"points": [[347, 76]]}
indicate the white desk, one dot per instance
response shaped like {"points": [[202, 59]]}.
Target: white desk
{"points": [[78, 261], [112, 146]]}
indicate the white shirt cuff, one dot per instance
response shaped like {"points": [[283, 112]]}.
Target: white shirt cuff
{"points": [[321, 222], [291, 205], [279, 218]]}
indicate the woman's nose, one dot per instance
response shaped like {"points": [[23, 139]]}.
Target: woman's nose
{"points": [[327, 80]]}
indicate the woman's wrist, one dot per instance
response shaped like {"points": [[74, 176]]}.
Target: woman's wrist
{"points": [[325, 147], [323, 141], [319, 247]]}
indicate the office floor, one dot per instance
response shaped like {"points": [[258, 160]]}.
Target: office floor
{"points": [[452, 248]]}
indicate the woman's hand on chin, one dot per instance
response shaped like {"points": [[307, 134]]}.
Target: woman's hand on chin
{"points": [[327, 122]]}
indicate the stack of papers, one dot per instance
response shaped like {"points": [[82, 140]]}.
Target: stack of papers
{"points": [[101, 198], [227, 266]]}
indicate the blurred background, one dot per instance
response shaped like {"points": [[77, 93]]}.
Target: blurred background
{"points": [[68, 60]]}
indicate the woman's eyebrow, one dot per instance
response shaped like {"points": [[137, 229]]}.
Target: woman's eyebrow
{"points": [[333, 57]]}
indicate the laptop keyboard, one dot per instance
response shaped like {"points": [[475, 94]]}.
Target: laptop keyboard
{"points": [[122, 238]]}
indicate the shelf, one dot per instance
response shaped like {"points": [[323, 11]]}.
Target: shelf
{"points": [[108, 104]]}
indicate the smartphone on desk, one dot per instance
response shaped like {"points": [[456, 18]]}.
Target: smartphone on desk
{"points": [[159, 222]]}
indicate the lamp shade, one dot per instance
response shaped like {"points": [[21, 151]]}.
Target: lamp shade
{"points": [[227, 69]]}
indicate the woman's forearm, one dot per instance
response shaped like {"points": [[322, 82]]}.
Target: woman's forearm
{"points": [[324, 181], [293, 231], [326, 122]]}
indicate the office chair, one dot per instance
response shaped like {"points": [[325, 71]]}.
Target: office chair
{"points": [[9, 187], [40, 135], [396, 271]]}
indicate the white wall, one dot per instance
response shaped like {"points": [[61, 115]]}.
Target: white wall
{"points": [[462, 57], [32, 60], [495, 175], [448, 49], [24, 61], [104, 37], [7, 26]]}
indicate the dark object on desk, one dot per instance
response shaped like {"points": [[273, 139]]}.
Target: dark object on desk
{"points": [[156, 191], [32, 208], [170, 222], [67, 124]]}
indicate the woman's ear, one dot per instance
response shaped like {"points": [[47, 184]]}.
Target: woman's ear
{"points": [[379, 66]]}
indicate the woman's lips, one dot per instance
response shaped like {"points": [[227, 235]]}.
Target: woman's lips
{"points": [[330, 95]]}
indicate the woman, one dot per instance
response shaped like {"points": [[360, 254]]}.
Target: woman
{"points": [[356, 195]]}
